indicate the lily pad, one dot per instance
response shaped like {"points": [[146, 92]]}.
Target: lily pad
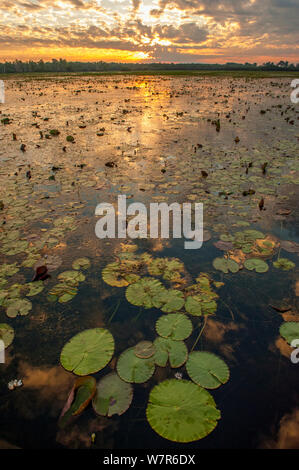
{"points": [[257, 265], [6, 334], [88, 351], [113, 396], [120, 274], [175, 326], [34, 288], [171, 300], [169, 269], [144, 349], [81, 263], [207, 369], [133, 369], [18, 307], [168, 349], [290, 331], [226, 265], [72, 278], [80, 396], [146, 293], [180, 411], [284, 264]]}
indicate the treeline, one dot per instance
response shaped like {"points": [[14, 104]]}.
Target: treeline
{"points": [[63, 65]]}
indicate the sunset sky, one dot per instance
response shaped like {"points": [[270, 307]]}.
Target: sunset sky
{"points": [[211, 31]]}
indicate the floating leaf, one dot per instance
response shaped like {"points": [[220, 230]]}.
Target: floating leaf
{"points": [[145, 293], [207, 369], [175, 326], [290, 331], [133, 369], [171, 300], [6, 334], [81, 263], [144, 349], [226, 265], [88, 351], [113, 396], [168, 349], [18, 307], [120, 274], [34, 288], [289, 246], [169, 269], [80, 396], [257, 265], [72, 278], [181, 411], [284, 264]]}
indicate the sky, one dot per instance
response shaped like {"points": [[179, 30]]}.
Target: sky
{"points": [[203, 31]]}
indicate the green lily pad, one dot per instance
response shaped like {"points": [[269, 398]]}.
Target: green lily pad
{"points": [[81, 263], [168, 349], [171, 300], [8, 269], [207, 369], [169, 269], [180, 411], [145, 293], [284, 264], [80, 396], [175, 326], [257, 265], [133, 369], [34, 288], [18, 307], [120, 274], [290, 331], [113, 396], [62, 292], [72, 278], [6, 334], [144, 349], [226, 265], [88, 351]]}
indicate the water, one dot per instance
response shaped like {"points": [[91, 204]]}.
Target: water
{"points": [[165, 125]]}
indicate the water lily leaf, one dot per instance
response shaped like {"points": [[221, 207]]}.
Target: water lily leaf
{"points": [[113, 396], [257, 265], [120, 274], [145, 293], [284, 264], [18, 307], [289, 246], [73, 278], [62, 292], [88, 351], [6, 334], [169, 269], [226, 265], [133, 369], [175, 326], [168, 349], [8, 269], [80, 396], [290, 331], [34, 288], [193, 306], [171, 300], [144, 349], [207, 369], [81, 263], [180, 411], [14, 247]]}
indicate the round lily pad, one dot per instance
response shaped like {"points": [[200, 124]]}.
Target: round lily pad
{"points": [[168, 349], [226, 265], [88, 351], [34, 288], [284, 264], [18, 307], [81, 263], [145, 293], [133, 369], [207, 369], [181, 411], [113, 396], [257, 265], [71, 278], [290, 331], [171, 300], [175, 326], [119, 275], [144, 349], [6, 334]]}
